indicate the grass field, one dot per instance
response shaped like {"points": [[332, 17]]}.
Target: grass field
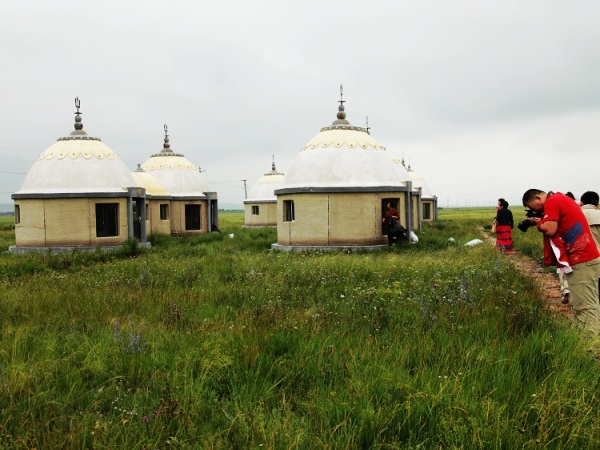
{"points": [[215, 342]]}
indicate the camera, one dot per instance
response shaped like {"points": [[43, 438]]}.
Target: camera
{"points": [[525, 224]]}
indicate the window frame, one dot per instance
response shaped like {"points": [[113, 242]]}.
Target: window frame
{"points": [[427, 211], [193, 217], [289, 211], [107, 220], [164, 211]]}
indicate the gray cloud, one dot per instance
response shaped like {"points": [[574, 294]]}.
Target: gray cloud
{"points": [[454, 86]]}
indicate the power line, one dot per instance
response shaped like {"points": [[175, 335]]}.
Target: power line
{"points": [[224, 184]]}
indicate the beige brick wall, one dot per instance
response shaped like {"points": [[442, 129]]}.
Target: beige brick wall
{"points": [[431, 210], [178, 217], [335, 219], [31, 230], [355, 219], [267, 214], [415, 214], [123, 224], [66, 222], [153, 222], [311, 224], [69, 221]]}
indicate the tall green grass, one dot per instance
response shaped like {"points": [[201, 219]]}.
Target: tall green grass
{"points": [[218, 342]]}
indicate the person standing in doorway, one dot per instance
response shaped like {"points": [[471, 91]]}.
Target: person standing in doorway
{"points": [[395, 231]]}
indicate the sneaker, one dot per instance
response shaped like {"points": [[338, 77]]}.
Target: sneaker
{"points": [[565, 298]]}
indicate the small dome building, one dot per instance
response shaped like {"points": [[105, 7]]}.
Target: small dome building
{"points": [[424, 201], [335, 192], [181, 202], [78, 194], [428, 207], [260, 208]]}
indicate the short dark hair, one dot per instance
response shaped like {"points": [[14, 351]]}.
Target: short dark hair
{"points": [[503, 203], [590, 198], [570, 195], [529, 194]]}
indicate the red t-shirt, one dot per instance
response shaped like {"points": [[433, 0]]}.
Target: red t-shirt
{"points": [[572, 228]]}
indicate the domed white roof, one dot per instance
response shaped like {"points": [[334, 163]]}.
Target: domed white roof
{"points": [[77, 164], [264, 188], [343, 155], [419, 181], [178, 175], [151, 184]]}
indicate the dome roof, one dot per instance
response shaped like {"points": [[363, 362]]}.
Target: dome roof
{"points": [[77, 163], [264, 188], [151, 184], [343, 155], [419, 181], [175, 172]]}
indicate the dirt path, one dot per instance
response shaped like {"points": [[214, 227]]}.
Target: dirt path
{"points": [[548, 281]]}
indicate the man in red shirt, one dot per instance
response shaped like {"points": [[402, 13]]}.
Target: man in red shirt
{"points": [[568, 242]]}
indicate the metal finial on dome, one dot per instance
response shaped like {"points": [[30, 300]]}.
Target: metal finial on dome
{"points": [[273, 164], [167, 151], [166, 145], [78, 124], [368, 128], [139, 168], [341, 114]]}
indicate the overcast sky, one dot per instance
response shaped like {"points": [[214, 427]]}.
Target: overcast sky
{"points": [[484, 99]]}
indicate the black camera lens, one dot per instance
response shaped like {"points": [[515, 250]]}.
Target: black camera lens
{"points": [[524, 225]]}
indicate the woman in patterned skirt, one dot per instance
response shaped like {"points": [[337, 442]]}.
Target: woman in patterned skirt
{"points": [[504, 227]]}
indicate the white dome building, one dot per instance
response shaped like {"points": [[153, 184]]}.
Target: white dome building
{"points": [[182, 203], [260, 207], [78, 194], [335, 192]]}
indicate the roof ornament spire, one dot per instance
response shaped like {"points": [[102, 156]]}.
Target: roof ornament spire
{"points": [[78, 124], [368, 127], [273, 168], [166, 145], [341, 115], [167, 150]]}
